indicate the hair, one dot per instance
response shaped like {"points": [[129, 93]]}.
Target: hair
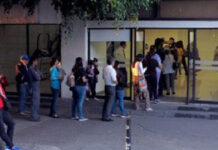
{"points": [[122, 43], [117, 63], [78, 64], [167, 52], [158, 42], [32, 59], [139, 57], [53, 60], [90, 62], [171, 38], [110, 60], [179, 44], [95, 59]]}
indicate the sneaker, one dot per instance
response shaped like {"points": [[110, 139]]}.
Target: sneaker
{"points": [[24, 114], [96, 99], [149, 109], [114, 115], [55, 116], [7, 148], [168, 93], [75, 118], [174, 93], [83, 119], [124, 116], [15, 148]]}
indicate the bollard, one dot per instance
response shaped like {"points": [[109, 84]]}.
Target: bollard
{"points": [[128, 134]]}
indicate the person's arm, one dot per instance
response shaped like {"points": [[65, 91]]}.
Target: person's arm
{"points": [[114, 76], [142, 70]]}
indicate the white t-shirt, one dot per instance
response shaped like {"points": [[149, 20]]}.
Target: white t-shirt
{"points": [[168, 64], [110, 76]]}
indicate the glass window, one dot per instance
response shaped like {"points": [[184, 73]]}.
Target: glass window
{"points": [[116, 43], [12, 46]]}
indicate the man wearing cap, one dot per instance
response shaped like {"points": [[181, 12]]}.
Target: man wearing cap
{"points": [[23, 79]]}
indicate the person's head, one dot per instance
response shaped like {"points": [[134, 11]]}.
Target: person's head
{"points": [[159, 42], [110, 61], [179, 44], [167, 52], [79, 62], [123, 44], [139, 57], [152, 50], [117, 64], [171, 40], [34, 61], [24, 59], [95, 60], [90, 62], [54, 62]]}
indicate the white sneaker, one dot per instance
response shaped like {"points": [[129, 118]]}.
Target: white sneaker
{"points": [[114, 115], [149, 109], [74, 118], [124, 117], [83, 119]]}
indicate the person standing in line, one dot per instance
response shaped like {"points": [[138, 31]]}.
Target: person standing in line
{"points": [[23, 80], [55, 86], [160, 51], [119, 92], [151, 73], [79, 89], [169, 72], [158, 68], [138, 74], [4, 81], [91, 78], [36, 76], [6, 119], [110, 79], [96, 73]]}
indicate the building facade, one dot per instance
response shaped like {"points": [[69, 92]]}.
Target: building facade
{"points": [[192, 21]]}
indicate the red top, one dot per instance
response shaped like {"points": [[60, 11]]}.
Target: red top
{"points": [[2, 92]]}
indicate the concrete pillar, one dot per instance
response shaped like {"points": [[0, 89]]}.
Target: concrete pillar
{"points": [[72, 46]]}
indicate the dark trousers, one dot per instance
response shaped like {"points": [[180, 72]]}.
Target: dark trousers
{"points": [[5, 118], [109, 100], [161, 85], [92, 87], [152, 86], [184, 65], [53, 108]]}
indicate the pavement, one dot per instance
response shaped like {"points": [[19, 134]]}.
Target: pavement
{"points": [[157, 130]]}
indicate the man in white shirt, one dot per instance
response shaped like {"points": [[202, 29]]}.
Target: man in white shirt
{"points": [[110, 79]]}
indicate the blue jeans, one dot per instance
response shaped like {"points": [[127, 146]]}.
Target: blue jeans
{"points": [[54, 103], [79, 94], [120, 97], [23, 93]]}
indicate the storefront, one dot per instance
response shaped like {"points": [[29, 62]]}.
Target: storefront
{"points": [[200, 39]]}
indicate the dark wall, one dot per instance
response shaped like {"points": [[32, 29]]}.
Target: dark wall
{"points": [[189, 9]]}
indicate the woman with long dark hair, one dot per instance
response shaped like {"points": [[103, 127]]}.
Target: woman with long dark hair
{"points": [[79, 89]]}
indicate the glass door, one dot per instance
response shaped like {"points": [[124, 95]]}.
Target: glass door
{"points": [[111, 42], [191, 67]]}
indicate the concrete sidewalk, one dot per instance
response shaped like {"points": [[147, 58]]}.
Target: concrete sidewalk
{"points": [[158, 130]]}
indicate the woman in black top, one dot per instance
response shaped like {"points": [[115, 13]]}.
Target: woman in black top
{"points": [[79, 89], [151, 73]]}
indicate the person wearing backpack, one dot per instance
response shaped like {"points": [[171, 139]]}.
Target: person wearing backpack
{"points": [[6, 119]]}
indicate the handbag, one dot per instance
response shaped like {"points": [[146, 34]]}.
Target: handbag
{"points": [[142, 82]]}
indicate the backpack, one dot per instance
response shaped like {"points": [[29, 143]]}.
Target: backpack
{"points": [[70, 80]]}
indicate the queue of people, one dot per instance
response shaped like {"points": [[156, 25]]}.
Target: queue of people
{"points": [[151, 75]]}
